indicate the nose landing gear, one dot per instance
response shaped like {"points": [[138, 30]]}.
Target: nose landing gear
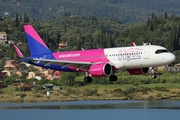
{"points": [[153, 71]]}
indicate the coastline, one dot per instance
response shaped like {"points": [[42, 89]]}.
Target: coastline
{"points": [[101, 92]]}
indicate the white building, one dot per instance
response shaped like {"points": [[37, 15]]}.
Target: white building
{"points": [[3, 38]]}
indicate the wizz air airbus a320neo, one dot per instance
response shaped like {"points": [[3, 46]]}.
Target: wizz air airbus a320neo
{"points": [[98, 62]]}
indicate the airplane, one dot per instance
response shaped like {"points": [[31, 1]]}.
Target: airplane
{"points": [[97, 62]]}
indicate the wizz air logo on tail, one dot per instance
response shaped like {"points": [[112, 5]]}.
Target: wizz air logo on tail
{"points": [[130, 54]]}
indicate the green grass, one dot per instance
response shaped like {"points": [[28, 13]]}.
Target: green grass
{"points": [[79, 79], [166, 85]]}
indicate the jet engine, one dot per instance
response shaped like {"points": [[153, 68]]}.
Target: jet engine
{"points": [[100, 70], [138, 71]]}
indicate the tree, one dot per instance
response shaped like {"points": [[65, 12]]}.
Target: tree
{"points": [[148, 22], [17, 20], [155, 22], [165, 16], [25, 18], [22, 96], [15, 55], [67, 79], [9, 80], [152, 17], [97, 39], [33, 20], [77, 30], [78, 44], [101, 38], [20, 18], [90, 42], [65, 28]]}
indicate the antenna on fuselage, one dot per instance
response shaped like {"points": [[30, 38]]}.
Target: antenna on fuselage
{"points": [[82, 49]]}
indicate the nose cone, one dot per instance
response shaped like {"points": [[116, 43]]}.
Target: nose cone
{"points": [[171, 58]]}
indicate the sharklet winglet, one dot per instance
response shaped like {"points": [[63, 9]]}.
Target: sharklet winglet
{"points": [[18, 52], [133, 44]]}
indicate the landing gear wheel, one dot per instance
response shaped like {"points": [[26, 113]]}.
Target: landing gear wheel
{"points": [[153, 76], [88, 79], [153, 73], [113, 78]]}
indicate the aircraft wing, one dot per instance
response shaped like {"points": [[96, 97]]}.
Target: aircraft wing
{"points": [[60, 62], [78, 64]]}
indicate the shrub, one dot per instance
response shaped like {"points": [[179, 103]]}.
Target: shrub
{"points": [[161, 89], [120, 92], [37, 95], [23, 88], [151, 97], [144, 90], [70, 91], [116, 95], [22, 95], [90, 92], [1, 91], [129, 97], [110, 92], [38, 89], [129, 89], [43, 91], [117, 90], [158, 95], [105, 90]]}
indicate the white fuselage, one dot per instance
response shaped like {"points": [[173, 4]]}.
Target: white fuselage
{"points": [[139, 56]]}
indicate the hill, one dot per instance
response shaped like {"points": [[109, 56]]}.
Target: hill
{"points": [[127, 11], [93, 33]]}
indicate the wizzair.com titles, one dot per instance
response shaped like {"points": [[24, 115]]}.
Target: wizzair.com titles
{"points": [[70, 55]]}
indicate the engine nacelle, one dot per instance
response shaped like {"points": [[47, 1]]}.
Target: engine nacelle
{"points": [[138, 71], [100, 70]]}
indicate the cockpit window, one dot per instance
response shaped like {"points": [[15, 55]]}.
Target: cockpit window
{"points": [[161, 51]]}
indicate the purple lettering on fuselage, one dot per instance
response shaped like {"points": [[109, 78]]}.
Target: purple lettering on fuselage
{"points": [[130, 54]]}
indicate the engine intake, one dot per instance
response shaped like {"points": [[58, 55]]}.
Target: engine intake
{"points": [[138, 71], [100, 70]]}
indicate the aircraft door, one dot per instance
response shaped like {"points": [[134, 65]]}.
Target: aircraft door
{"points": [[146, 52]]}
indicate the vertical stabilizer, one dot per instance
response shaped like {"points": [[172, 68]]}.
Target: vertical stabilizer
{"points": [[36, 44]]}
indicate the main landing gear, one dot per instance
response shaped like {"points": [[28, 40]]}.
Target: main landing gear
{"points": [[88, 79], [113, 78]]}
